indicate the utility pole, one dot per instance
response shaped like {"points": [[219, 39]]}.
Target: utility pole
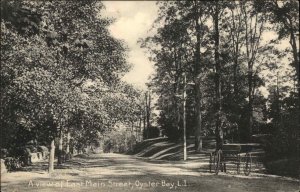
{"points": [[184, 118]]}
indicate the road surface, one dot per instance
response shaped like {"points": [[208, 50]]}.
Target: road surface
{"points": [[122, 173]]}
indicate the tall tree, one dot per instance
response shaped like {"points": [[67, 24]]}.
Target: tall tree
{"points": [[254, 23], [46, 71], [216, 17], [199, 18]]}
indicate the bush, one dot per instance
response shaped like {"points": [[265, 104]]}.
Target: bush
{"points": [[4, 153], [32, 148], [13, 163], [43, 149], [107, 146], [121, 142], [19, 151], [153, 132], [284, 167]]}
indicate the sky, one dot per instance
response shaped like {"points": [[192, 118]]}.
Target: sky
{"points": [[133, 21]]}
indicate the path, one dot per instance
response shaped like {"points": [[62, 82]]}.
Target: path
{"points": [[115, 172]]}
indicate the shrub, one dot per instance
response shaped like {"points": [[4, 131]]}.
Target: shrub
{"points": [[13, 163], [153, 132], [43, 149], [4, 153], [284, 167], [32, 148]]}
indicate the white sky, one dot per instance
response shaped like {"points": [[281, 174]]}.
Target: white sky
{"points": [[133, 20]]}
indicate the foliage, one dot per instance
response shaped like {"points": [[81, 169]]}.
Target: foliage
{"points": [[119, 142], [185, 41], [59, 61]]}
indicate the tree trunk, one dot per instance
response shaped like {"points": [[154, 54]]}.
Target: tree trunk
{"points": [[136, 130], [131, 137], [198, 138], [293, 42], [236, 43], [218, 130], [60, 148], [297, 66], [68, 153], [250, 106], [235, 84], [197, 88], [140, 128], [250, 53], [51, 157], [184, 119], [146, 116], [176, 89], [144, 125], [235, 89], [148, 107]]}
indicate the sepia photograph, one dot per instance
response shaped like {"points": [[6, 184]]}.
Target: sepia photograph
{"points": [[159, 96]]}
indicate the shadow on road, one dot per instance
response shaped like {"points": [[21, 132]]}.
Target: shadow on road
{"points": [[116, 172]]}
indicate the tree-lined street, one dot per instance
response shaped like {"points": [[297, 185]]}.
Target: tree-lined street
{"points": [[224, 91]]}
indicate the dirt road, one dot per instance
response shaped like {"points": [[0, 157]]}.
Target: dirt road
{"points": [[115, 172]]}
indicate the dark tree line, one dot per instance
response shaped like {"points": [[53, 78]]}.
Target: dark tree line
{"points": [[230, 51]]}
